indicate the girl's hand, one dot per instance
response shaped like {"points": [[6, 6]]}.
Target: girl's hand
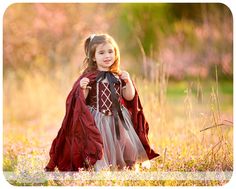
{"points": [[84, 82], [125, 76]]}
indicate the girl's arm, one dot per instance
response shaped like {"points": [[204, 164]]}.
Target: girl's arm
{"points": [[85, 91], [128, 91]]}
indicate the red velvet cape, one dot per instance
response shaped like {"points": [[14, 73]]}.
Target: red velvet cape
{"points": [[78, 143]]}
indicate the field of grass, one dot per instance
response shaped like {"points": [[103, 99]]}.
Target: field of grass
{"points": [[34, 106]]}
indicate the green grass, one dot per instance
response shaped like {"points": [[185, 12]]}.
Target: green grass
{"points": [[178, 88]]}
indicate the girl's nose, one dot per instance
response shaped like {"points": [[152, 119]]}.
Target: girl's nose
{"points": [[107, 55]]}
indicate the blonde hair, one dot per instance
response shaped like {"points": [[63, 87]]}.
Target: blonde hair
{"points": [[90, 46]]}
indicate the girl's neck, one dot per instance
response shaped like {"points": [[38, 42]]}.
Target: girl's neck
{"points": [[103, 69]]}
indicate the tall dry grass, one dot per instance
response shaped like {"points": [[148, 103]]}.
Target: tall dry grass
{"points": [[189, 134]]}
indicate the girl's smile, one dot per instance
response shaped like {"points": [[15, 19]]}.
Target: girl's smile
{"points": [[107, 60]]}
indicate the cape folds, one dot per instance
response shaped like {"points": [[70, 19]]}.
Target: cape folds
{"points": [[78, 143]]}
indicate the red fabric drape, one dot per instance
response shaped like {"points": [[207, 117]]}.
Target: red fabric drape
{"points": [[78, 143]]}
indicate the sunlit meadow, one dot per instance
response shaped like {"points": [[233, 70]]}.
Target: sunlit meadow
{"points": [[190, 126]]}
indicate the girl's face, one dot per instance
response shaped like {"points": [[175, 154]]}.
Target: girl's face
{"points": [[104, 56]]}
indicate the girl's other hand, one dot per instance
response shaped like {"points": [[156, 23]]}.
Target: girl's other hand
{"points": [[84, 82], [125, 76]]}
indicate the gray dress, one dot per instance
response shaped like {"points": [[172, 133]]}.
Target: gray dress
{"points": [[118, 153]]}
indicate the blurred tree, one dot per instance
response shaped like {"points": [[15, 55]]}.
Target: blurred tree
{"points": [[190, 37], [148, 22], [46, 35]]}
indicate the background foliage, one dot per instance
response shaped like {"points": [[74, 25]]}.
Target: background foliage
{"points": [[189, 38]]}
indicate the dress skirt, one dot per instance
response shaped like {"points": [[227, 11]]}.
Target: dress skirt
{"points": [[122, 153]]}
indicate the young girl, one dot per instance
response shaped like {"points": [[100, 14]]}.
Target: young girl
{"points": [[104, 125]]}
